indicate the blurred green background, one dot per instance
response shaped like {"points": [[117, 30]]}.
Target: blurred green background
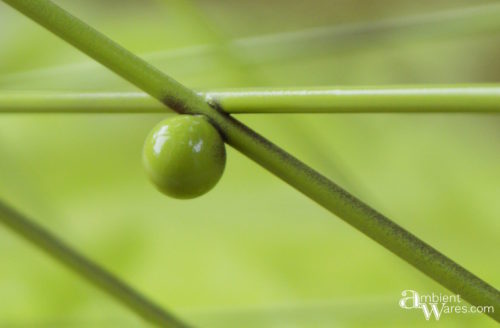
{"points": [[253, 252]]}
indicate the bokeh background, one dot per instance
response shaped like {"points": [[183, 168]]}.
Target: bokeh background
{"points": [[253, 252]]}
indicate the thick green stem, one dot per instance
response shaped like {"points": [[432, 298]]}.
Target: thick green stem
{"points": [[395, 99], [96, 275], [262, 151]]}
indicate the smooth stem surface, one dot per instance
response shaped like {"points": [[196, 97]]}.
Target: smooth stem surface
{"points": [[395, 99], [384, 99], [262, 151], [96, 275], [72, 102]]}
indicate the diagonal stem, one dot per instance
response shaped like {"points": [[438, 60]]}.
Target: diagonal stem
{"points": [[89, 270], [285, 166]]}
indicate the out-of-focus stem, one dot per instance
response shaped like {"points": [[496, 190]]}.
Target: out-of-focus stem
{"points": [[98, 276]]}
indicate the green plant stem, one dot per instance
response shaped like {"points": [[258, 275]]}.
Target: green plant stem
{"points": [[96, 275], [288, 168], [72, 102], [395, 99]]}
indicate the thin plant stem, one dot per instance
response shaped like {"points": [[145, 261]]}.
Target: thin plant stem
{"points": [[285, 166], [383, 99], [79, 102], [87, 269], [292, 127]]}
